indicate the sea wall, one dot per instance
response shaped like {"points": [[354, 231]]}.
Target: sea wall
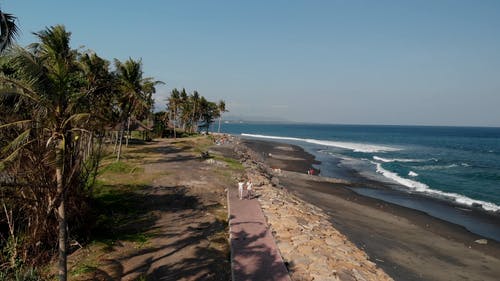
{"points": [[309, 244]]}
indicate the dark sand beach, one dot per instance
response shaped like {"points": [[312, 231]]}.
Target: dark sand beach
{"points": [[407, 244]]}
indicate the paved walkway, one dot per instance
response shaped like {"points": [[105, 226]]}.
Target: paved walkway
{"points": [[254, 254]]}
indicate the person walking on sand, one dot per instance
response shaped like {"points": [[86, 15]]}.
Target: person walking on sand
{"points": [[240, 188], [249, 189]]}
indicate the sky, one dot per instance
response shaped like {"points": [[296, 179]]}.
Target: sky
{"points": [[398, 62]]}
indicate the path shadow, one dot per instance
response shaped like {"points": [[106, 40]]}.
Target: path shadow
{"points": [[126, 213], [133, 214], [254, 260], [208, 263]]}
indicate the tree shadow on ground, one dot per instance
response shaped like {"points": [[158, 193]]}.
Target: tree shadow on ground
{"points": [[207, 263], [254, 260], [131, 214], [125, 211], [184, 153]]}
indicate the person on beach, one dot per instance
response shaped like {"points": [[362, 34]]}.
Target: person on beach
{"points": [[240, 188], [249, 189]]}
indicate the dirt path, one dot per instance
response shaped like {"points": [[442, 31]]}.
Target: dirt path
{"points": [[178, 227]]}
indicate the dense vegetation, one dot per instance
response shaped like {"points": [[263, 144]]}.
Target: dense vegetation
{"points": [[59, 107], [185, 111]]}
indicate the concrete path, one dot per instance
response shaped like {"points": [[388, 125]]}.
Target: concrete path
{"points": [[254, 254]]}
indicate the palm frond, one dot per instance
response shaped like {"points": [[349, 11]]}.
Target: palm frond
{"points": [[17, 123], [19, 141], [76, 117], [12, 156], [26, 90], [9, 30]]}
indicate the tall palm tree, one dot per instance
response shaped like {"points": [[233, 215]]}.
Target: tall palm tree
{"points": [[208, 112], [173, 105], [136, 92], [9, 30], [185, 109], [195, 115], [221, 106], [48, 82]]}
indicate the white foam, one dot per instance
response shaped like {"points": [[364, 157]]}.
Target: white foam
{"points": [[356, 147], [436, 167], [413, 185], [412, 174], [388, 160], [423, 188]]}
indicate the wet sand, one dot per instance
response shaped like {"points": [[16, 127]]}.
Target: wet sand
{"points": [[407, 244]]}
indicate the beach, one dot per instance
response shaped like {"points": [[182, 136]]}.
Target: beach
{"points": [[407, 244]]}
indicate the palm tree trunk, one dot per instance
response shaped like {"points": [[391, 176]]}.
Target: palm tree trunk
{"points": [[62, 268], [128, 131], [175, 117], [220, 117], [120, 137], [116, 141], [61, 213], [193, 117]]}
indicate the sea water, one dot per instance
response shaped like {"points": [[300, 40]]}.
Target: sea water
{"points": [[456, 164]]}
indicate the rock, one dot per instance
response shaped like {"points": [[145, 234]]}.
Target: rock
{"points": [[481, 241], [357, 275]]}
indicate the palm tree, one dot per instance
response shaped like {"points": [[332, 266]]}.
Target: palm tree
{"points": [[195, 114], [9, 30], [185, 107], [208, 112], [48, 82], [173, 104], [136, 93], [221, 106]]}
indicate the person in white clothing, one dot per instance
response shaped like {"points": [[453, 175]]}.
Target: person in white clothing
{"points": [[249, 189], [240, 188]]}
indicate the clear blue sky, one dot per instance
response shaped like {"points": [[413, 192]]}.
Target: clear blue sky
{"points": [[357, 62]]}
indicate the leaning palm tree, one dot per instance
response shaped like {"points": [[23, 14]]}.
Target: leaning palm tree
{"points": [[9, 30], [221, 106], [48, 82]]}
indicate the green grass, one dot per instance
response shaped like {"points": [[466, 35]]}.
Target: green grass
{"points": [[83, 269], [231, 163], [120, 168]]}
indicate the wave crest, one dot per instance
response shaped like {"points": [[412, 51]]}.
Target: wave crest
{"points": [[423, 188], [388, 160], [356, 147]]}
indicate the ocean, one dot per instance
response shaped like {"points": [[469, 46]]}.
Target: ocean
{"points": [[458, 165]]}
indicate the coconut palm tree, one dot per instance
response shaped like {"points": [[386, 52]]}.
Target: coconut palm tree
{"points": [[49, 82], [221, 106], [9, 30], [173, 105], [195, 114], [135, 93], [208, 112]]}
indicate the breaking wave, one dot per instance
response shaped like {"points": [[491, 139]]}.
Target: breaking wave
{"points": [[356, 147], [417, 186], [388, 160], [412, 174]]}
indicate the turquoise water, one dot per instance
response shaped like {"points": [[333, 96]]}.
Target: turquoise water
{"points": [[459, 164]]}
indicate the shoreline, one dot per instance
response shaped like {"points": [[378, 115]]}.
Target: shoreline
{"points": [[420, 246], [474, 219]]}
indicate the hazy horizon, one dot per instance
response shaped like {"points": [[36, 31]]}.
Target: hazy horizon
{"points": [[278, 120], [337, 62]]}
